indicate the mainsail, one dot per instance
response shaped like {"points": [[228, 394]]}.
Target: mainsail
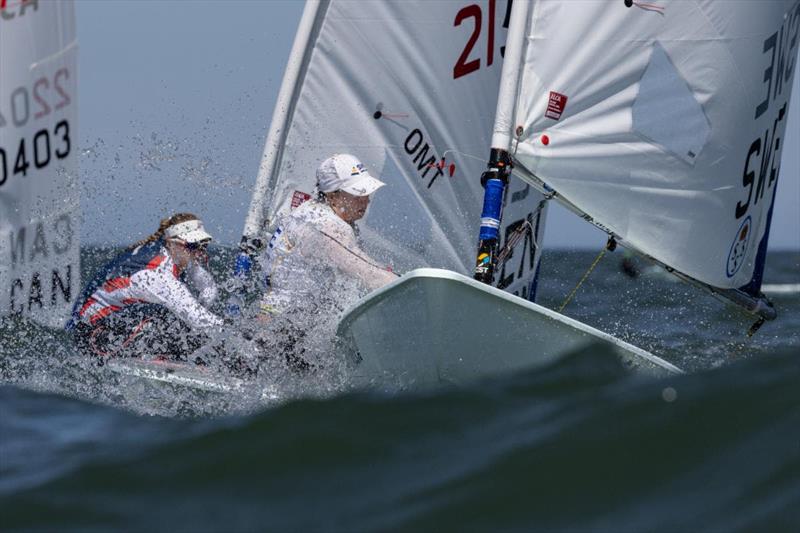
{"points": [[39, 202], [661, 122], [409, 87]]}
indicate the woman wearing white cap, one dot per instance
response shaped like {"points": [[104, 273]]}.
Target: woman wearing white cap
{"points": [[317, 239], [140, 304]]}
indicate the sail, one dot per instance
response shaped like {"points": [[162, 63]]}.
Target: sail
{"points": [[39, 202], [662, 122], [410, 88]]}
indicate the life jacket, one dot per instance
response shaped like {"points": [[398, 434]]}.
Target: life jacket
{"points": [[110, 290]]}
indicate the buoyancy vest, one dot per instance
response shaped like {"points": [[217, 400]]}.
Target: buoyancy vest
{"points": [[145, 275]]}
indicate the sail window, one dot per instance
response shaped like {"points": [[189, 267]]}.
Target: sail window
{"points": [[666, 111]]}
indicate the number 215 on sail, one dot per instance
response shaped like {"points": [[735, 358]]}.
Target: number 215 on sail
{"points": [[470, 60]]}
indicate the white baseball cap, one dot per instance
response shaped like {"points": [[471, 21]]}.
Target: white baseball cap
{"points": [[344, 172], [191, 231]]}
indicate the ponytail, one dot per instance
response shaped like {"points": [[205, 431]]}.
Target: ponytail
{"points": [[162, 227]]}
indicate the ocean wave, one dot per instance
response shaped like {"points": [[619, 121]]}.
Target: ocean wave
{"points": [[578, 445]]}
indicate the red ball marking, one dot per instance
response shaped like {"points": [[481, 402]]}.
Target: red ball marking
{"points": [[545, 140]]}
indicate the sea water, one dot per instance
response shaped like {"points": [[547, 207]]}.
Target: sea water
{"points": [[577, 445]]}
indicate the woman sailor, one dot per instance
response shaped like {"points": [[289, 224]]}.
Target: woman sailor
{"points": [[313, 255], [319, 237], [140, 303]]}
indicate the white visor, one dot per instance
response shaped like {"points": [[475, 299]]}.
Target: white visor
{"points": [[191, 231]]}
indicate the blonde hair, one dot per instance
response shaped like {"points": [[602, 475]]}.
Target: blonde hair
{"points": [[177, 218]]}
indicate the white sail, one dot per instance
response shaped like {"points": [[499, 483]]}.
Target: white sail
{"points": [[409, 87], [661, 121], [39, 202]]}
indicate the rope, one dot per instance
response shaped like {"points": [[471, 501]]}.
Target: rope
{"points": [[597, 260], [367, 261], [512, 241], [518, 233]]}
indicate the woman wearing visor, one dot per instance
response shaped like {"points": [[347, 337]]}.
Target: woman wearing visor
{"points": [[150, 300]]}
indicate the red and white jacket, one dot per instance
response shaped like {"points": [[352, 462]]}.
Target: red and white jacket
{"points": [[147, 275]]}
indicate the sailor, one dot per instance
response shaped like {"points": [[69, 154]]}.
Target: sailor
{"points": [[319, 238], [140, 304], [314, 253]]}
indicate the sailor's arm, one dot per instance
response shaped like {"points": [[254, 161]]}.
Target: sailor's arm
{"points": [[175, 296], [202, 280], [349, 259]]}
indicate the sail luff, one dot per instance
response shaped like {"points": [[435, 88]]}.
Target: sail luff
{"points": [[257, 217]]}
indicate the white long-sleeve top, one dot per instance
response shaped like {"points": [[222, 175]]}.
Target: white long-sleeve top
{"points": [[309, 247]]}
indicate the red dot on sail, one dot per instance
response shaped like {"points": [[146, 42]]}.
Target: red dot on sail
{"points": [[545, 140]]}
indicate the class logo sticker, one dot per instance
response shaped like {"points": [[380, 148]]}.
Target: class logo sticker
{"points": [[555, 105], [739, 248]]}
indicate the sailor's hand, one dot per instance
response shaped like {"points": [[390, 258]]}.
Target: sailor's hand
{"points": [[247, 333]]}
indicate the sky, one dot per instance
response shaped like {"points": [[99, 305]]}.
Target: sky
{"points": [[175, 102]]}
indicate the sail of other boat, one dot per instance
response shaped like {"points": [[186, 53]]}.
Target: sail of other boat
{"points": [[39, 202]]}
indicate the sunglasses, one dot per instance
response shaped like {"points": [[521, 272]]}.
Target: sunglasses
{"points": [[197, 246]]}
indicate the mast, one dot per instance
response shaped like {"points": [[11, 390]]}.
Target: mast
{"points": [[495, 179], [257, 217]]}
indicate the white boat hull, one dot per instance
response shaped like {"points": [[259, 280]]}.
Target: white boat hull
{"points": [[436, 326], [185, 376]]}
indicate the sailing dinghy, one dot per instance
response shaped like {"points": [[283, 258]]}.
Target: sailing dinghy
{"points": [[412, 89], [660, 123]]}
